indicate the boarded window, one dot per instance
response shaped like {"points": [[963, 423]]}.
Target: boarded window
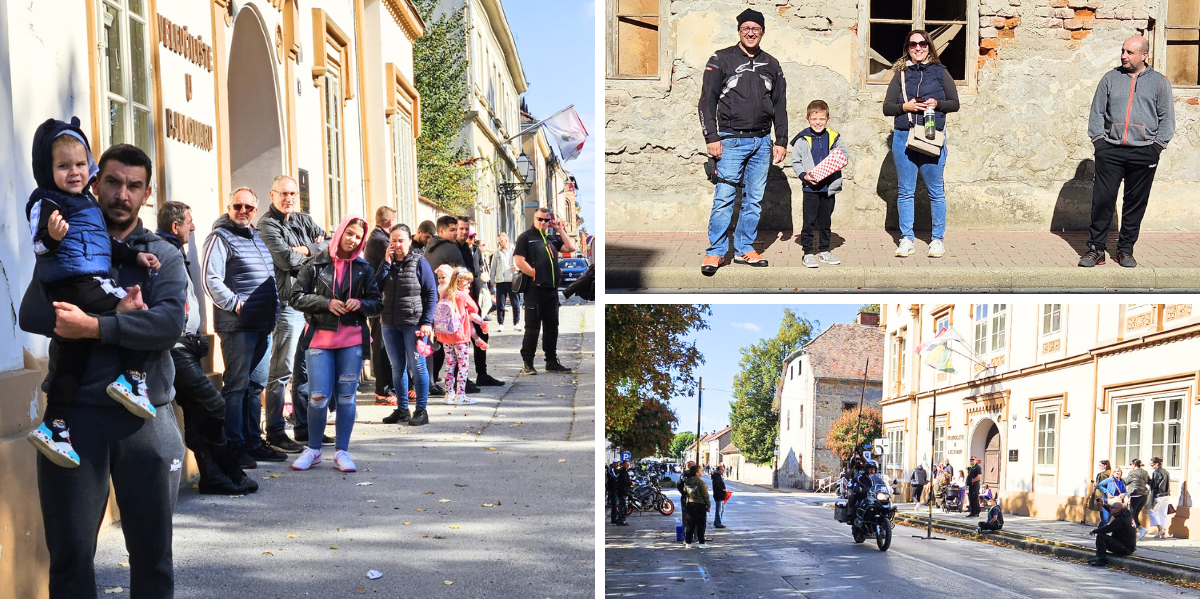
{"points": [[634, 44], [1183, 42], [890, 21]]}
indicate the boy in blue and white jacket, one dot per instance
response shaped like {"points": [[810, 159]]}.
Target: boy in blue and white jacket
{"points": [[818, 156], [74, 255]]}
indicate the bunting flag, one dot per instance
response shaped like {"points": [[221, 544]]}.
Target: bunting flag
{"points": [[567, 130], [937, 350]]}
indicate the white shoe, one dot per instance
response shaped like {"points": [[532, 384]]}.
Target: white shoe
{"points": [[307, 459], [132, 394], [687, 545], [450, 398], [464, 400], [518, 327], [937, 249], [905, 249], [1141, 533], [702, 546], [343, 462]]}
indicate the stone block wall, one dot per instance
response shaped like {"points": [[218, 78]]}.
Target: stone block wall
{"points": [[1019, 157]]}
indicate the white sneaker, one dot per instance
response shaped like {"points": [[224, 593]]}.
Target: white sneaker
{"points": [[518, 327], [451, 398], [1141, 533], [307, 459], [499, 329], [937, 249], [687, 545], [810, 261], [702, 546], [905, 248], [132, 394], [463, 399], [343, 462]]}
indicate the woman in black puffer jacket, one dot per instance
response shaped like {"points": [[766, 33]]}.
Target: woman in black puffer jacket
{"points": [[337, 293]]}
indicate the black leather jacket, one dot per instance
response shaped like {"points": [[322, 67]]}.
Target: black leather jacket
{"points": [[314, 289]]}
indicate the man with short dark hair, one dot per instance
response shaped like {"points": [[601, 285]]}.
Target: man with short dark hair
{"points": [[239, 280], [718, 492], [143, 458], [536, 255], [473, 258], [375, 251], [1131, 122], [974, 477], [292, 237], [427, 229]]}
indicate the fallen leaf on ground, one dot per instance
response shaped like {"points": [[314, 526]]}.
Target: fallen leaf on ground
{"points": [[424, 535], [448, 582], [391, 453], [430, 493], [443, 500], [122, 564], [291, 535], [373, 574], [195, 486], [456, 527], [362, 590], [439, 537], [275, 475], [420, 510], [487, 505], [339, 528], [371, 501], [539, 395], [460, 485], [364, 483], [562, 460], [268, 554], [333, 547], [408, 522], [198, 485], [118, 590], [489, 448]]}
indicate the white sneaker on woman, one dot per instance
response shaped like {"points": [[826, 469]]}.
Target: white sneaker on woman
{"points": [[307, 459], [905, 248], [451, 398], [343, 462], [937, 249], [500, 328], [463, 399]]}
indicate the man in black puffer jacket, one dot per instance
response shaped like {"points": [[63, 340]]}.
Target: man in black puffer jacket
{"points": [[1118, 536], [240, 281]]}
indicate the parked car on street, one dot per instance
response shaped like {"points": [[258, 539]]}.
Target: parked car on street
{"points": [[572, 270]]}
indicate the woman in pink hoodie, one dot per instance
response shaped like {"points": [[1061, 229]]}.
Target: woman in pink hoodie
{"points": [[337, 293]]}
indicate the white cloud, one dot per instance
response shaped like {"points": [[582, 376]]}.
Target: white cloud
{"points": [[747, 326]]}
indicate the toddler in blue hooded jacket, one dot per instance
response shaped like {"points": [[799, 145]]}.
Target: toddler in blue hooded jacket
{"points": [[74, 257]]}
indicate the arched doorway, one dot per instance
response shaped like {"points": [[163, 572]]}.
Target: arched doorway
{"points": [[985, 443], [255, 140]]}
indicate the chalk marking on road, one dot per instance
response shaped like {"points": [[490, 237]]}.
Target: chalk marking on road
{"points": [[702, 573], [924, 562], [696, 570]]}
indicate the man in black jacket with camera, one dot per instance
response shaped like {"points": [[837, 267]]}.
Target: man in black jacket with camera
{"points": [[536, 254]]}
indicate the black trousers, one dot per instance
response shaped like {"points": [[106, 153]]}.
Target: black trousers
{"points": [[917, 492], [480, 354], [203, 406], [541, 312], [973, 498], [818, 215], [143, 457], [619, 506], [1106, 543], [989, 526], [697, 521], [381, 365], [1135, 166], [1136, 504]]}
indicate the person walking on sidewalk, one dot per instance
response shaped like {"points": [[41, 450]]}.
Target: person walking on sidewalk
{"points": [[1117, 536], [921, 85], [624, 485], [974, 478], [239, 280], [743, 95], [1160, 491], [718, 490], [919, 478], [536, 255], [409, 298], [337, 293], [503, 269], [696, 504], [1138, 484], [1131, 122], [995, 520], [381, 364]]}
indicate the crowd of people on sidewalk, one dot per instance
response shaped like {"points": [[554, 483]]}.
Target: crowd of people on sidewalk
{"points": [[744, 96], [694, 499], [294, 307], [1121, 499]]}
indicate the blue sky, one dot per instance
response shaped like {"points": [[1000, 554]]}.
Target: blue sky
{"points": [[731, 328], [557, 45]]}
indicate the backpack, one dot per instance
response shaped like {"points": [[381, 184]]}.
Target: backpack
{"points": [[446, 319]]}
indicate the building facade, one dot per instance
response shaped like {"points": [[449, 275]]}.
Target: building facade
{"points": [[1019, 156], [1057, 388], [819, 382], [220, 94]]}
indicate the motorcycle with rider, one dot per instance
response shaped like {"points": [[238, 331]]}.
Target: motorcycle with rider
{"points": [[869, 509]]}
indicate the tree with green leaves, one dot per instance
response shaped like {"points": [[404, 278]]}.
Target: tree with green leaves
{"points": [[869, 309], [446, 172], [650, 432], [681, 443], [849, 432], [752, 416]]}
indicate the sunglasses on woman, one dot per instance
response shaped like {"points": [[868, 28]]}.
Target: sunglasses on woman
{"points": [[920, 44]]}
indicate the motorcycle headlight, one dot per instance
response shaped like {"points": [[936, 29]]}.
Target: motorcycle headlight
{"points": [[883, 496]]}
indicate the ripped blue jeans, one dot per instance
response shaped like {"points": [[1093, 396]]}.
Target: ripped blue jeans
{"points": [[332, 374]]}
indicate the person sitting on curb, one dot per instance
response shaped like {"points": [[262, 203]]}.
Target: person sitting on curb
{"points": [[1118, 536], [995, 520]]}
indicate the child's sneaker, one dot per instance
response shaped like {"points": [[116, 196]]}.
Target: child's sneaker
{"points": [[451, 398], [343, 462], [463, 399], [55, 444], [130, 390], [482, 344], [307, 459]]}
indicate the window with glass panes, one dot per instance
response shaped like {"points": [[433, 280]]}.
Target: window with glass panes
{"points": [[939, 442], [1047, 432], [334, 165], [1166, 430], [1150, 426], [990, 328], [895, 454], [889, 22], [1182, 64], [1051, 318], [125, 66], [402, 165]]}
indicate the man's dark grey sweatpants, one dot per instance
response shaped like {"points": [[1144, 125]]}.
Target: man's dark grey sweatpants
{"points": [[144, 458]]}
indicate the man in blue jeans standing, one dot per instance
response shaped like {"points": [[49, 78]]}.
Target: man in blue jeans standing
{"points": [[718, 491], [743, 94]]}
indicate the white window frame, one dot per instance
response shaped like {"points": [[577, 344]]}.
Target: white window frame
{"points": [[1046, 439], [125, 56], [895, 453], [989, 328], [404, 168], [335, 162], [1050, 313], [939, 442], [1144, 445], [918, 22]]}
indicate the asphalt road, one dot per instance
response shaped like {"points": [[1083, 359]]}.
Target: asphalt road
{"points": [[776, 546], [497, 498]]}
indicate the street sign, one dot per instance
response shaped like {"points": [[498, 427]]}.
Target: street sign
{"points": [[626, 456], [881, 445]]}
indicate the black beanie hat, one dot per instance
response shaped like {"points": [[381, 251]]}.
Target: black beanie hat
{"points": [[752, 16]]}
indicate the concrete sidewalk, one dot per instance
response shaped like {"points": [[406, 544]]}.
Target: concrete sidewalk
{"points": [[978, 261], [491, 500]]}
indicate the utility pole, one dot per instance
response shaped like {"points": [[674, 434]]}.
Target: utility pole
{"points": [[699, 403]]}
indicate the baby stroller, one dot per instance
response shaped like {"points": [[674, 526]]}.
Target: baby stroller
{"points": [[953, 498]]}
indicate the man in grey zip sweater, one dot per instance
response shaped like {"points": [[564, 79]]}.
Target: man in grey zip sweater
{"points": [[1131, 122], [142, 457]]}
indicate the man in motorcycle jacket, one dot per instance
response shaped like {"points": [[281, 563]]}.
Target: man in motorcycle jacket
{"points": [[861, 486], [624, 485]]}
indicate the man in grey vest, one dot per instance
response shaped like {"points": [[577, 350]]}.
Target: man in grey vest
{"points": [[1131, 122], [240, 281]]}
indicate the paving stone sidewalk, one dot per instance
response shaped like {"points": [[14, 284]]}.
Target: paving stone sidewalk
{"points": [[974, 261]]}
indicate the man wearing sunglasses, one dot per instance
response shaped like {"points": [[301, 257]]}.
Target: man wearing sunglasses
{"points": [[743, 95], [536, 255], [240, 281]]}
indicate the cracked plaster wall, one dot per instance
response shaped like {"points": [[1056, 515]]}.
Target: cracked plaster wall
{"points": [[1019, 157]]}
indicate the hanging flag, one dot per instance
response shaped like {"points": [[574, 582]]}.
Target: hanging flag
{"points": [[937, 351], [567, 130]]}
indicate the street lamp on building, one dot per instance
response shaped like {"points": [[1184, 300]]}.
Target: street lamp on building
{"points": [[514, 190]]}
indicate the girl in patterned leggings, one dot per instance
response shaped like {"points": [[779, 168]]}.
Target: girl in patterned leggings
{"points": [[454, 286]]}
